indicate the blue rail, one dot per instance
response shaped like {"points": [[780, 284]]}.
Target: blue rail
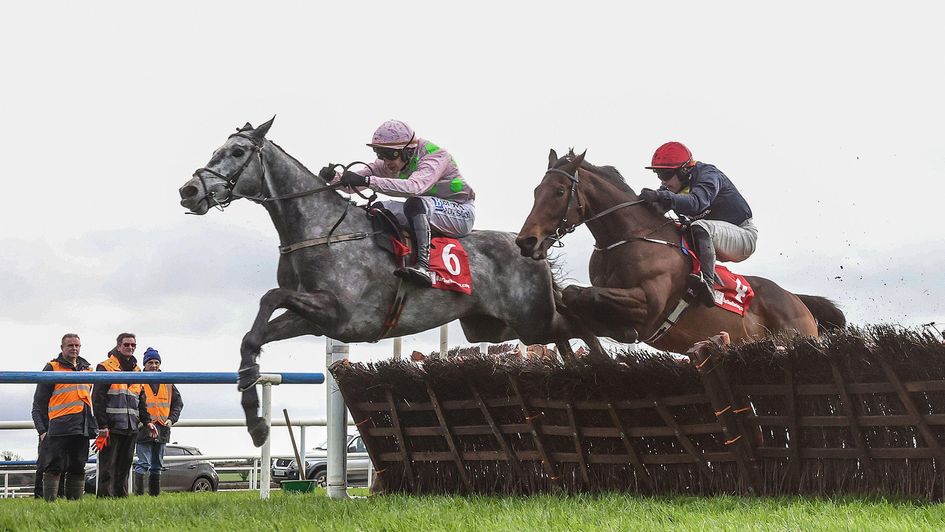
{"points": [[136, 377]]}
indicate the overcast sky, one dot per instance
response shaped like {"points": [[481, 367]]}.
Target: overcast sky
{"points": [[827, 116]]}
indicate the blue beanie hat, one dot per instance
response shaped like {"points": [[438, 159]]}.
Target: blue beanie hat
{"points": [[151, 354]]}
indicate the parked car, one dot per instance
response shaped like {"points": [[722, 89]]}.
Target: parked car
{"points": [[316, 464], [183, 475]]}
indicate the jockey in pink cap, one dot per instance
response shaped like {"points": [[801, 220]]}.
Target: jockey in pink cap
{"points": [[438, 197]]}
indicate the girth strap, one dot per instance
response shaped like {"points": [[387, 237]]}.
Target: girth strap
{"points": [[325, 240], [673, 317]]}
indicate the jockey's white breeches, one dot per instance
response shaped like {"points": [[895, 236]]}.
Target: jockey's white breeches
{"points": [[447, 218], [733, 243]]}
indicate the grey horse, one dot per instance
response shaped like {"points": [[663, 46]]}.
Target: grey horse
{"points": [[335, 281]]}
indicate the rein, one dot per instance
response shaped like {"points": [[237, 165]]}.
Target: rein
{"points": [[232, 179], [564, 229]]}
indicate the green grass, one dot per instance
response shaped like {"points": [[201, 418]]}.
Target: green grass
{"points": [[244, 511]]}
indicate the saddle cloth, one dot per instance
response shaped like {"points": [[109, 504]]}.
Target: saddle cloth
{"points": [[734, 294], [449, 261]]}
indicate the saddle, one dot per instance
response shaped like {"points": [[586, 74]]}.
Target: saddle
{"points": [[391, 236]]}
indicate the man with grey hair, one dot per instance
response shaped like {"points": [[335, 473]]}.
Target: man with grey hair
{"points": [[62, 415]]}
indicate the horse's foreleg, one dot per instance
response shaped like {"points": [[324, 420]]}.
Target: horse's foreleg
{"points": [[612, 312], [308, 313]]}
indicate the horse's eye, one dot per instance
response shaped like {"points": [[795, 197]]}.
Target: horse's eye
{"points": [[238, 152], [560, 191]]}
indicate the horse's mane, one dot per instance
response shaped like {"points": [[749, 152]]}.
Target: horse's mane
{"points": [[607, 172], [308, 173]]}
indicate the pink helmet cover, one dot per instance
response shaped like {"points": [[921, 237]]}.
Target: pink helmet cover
{"points": [[393, 134]]}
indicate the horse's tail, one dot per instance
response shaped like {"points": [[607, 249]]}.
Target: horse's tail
{"points": [[826, 312]]}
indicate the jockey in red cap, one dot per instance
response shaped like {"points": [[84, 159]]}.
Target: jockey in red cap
{"points": [[725, 229], [438, 197]]}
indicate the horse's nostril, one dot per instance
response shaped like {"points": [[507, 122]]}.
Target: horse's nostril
{"points": [[188, 192]]}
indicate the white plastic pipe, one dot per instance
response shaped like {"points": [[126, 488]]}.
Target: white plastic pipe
{"points": [[302, 449], [337, 432], [444, 340], [398, 348], [266, 460]]}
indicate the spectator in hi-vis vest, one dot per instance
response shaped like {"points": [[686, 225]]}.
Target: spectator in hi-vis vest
{"points": [[164, 405], [62, 415], [120, 410]]}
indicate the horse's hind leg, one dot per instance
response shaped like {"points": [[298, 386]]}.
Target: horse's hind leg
{"points": [[307, 313], [567, 354], [596, 349]]}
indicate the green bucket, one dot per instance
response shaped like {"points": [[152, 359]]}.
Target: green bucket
{"points": [[299, 486]]}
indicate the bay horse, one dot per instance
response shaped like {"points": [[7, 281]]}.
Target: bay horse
{"points": [[638, 271], [333, 280]]}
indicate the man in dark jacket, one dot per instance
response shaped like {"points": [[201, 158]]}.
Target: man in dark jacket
{"points": [[164, 406], [62, 415], [725, 229], [120, 409]]}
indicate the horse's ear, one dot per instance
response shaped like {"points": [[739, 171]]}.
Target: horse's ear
{"points": [[552, 158], [246, 127], [260, 132], [579, 159]]}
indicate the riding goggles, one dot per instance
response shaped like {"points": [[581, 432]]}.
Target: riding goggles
{"points": [[387, 154], [665, 174]]}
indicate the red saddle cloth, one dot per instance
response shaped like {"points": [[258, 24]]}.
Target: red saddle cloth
{"points": [[449, 261], [734, 294]]}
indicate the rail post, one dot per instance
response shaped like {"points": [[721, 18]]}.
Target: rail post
{"points": [[336, 478], [265, 466]]}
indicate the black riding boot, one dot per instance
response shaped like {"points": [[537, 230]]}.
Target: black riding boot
{"points": [[75, 486], [50, 487], [420, 272], [704, 284], [138, 483], [154, 485]]}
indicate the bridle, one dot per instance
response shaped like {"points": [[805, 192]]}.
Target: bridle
{"points": [[232, 179], [564, 227]]}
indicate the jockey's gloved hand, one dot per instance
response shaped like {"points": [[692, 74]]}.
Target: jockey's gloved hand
{"points": [[649, 195], [352, 179], [327, 173]]}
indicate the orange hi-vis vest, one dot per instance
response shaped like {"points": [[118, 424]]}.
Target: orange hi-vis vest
{"points": [[121, 401], [68, 398], [159, 405]]}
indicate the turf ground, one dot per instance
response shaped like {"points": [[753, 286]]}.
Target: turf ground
{"points": [[284, 511]]}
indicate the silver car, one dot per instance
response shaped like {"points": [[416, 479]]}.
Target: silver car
{"points": [[316, 464], [187, 475]]}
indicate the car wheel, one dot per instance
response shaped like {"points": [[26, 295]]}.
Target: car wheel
{"points": [[202, 484], [320, 477]]}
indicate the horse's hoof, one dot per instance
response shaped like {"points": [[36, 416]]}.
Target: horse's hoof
{"points": [[259, 433]]}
